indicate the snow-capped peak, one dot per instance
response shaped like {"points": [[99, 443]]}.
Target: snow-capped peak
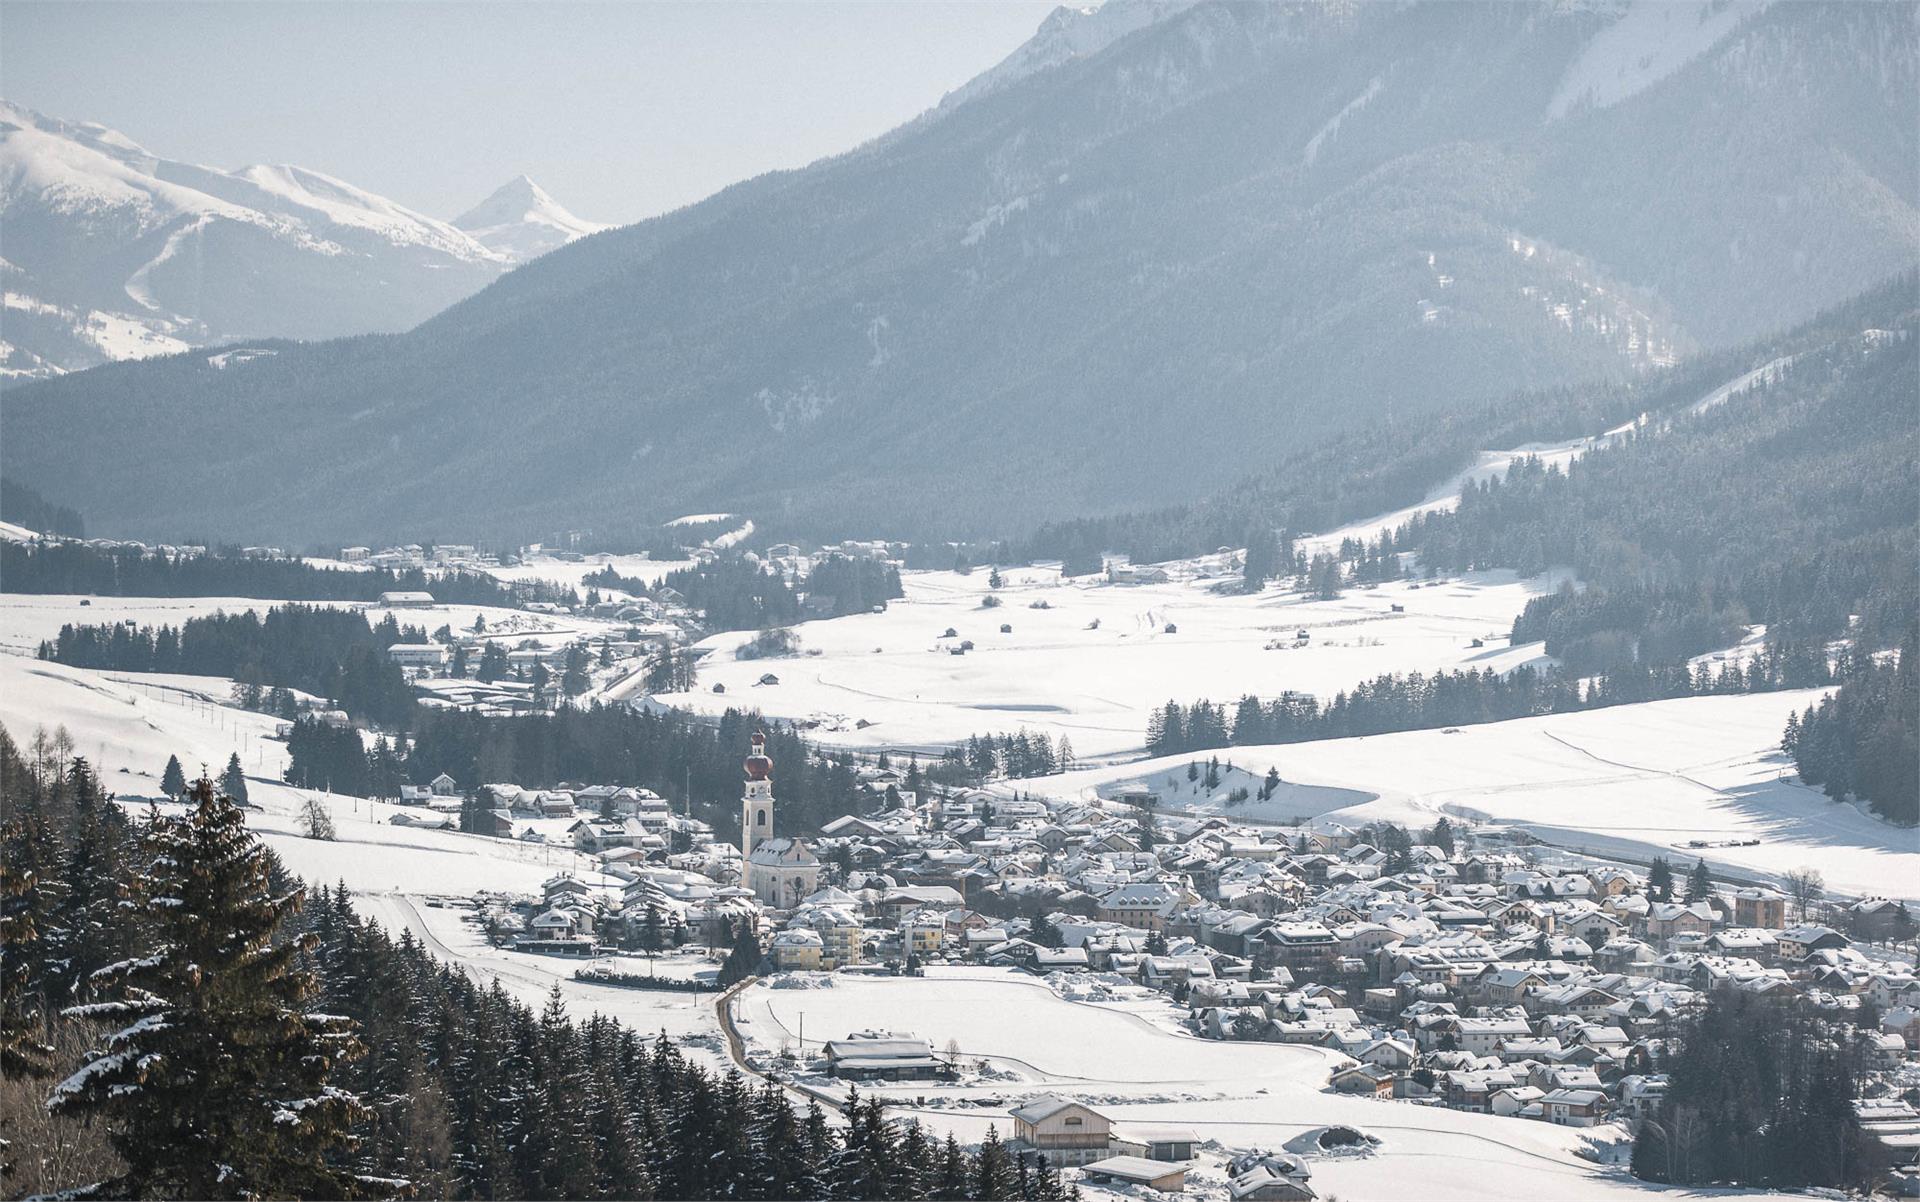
{"points": [[1069, 32], [522, 221]]}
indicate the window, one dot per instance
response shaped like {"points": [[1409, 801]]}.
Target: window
{"points": [[760, 819], [1076, 1122]]}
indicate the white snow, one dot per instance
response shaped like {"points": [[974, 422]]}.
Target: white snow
{"points": [[1332, 127], [1055, 676], [1124, 1060], [520, 220], [1650, 41], [1632, 781], [1069, 32]]}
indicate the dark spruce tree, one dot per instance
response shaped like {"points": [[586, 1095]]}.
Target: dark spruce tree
{"points": [[218, 1081]]}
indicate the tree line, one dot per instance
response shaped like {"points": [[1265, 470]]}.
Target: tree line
{"points": [[1758, 1094], [125, 571], [1864, 740], [667, 751], [737, 593], [210, 1029], [1398, 701], [337, 654]]}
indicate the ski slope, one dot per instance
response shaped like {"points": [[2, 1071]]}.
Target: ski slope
{"points": [[1093, 663], [1632, 781]]}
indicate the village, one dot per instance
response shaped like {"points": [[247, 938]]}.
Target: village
{"points": [[1464, 968]]}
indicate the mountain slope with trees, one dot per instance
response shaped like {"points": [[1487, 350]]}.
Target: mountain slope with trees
{"points": [[1233, 234]]}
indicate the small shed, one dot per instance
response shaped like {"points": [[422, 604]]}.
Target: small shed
{"points": [[1136, 1170]]}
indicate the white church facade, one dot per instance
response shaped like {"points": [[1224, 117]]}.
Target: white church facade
{"points": [[778, 871]]}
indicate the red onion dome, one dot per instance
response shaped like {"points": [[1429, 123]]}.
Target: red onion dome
{"points": [[758, 765]]}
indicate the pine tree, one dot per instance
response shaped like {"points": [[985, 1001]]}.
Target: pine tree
{"points": [[1660, 880], [950, 1178], [233, 782], [173, 781], [1699, 882], [219, 1083], [993, 1173], [24, 1052]]}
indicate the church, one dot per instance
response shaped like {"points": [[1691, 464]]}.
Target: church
{"points": [[779, 872]]}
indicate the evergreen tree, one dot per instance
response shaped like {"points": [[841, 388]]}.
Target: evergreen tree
{"points": [[993, 1172], [1660, 880], [218, 1085], [744, 958], [233, 782], [1699, 882], [173, 781]]}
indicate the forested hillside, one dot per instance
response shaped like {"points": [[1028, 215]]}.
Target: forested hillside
{"points": [[1113, 284], [178, 1018]]}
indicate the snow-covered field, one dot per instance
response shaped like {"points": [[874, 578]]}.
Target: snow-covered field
{"points": [[1094, 663], [127, 725], [1633, 781], [569, 573], [1235, 1095]]}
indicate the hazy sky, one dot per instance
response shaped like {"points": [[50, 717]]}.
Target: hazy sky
{"points": [[620, 111]]}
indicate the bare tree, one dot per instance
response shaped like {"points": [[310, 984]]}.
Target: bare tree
{"points": [[1806, 886], [315, 819]]}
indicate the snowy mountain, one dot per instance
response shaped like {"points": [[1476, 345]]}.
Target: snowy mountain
{"points": [[522, 222], [1068, 33], [1153, 252], [113, 252]]}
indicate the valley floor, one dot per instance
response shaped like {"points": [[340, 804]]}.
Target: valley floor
{"points": [[1098, 658], [1126, 1057]]}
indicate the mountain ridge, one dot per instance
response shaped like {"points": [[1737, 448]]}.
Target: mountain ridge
{"points": [[116, 252], [1116, 281]]}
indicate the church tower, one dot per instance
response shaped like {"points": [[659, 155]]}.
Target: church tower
{"points": [[756, 805]]}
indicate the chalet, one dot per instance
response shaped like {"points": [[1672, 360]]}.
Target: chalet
{"points": [[1798, 943], [1574, 1107], [1369, 1080], [1063, 1132], [1668, 919]]}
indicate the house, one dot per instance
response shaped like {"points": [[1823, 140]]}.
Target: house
{"points": [[1369, 1080], [1063, 1132], [1297, 943], [873, 1057], [1574, 1107], [1261, 1184], [1667, 919], [1803, 941], [797, 950], [429, 656], [1132, 1170], [1144, 904], [404, 599], [1757, 907], [1515, 1101]]}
